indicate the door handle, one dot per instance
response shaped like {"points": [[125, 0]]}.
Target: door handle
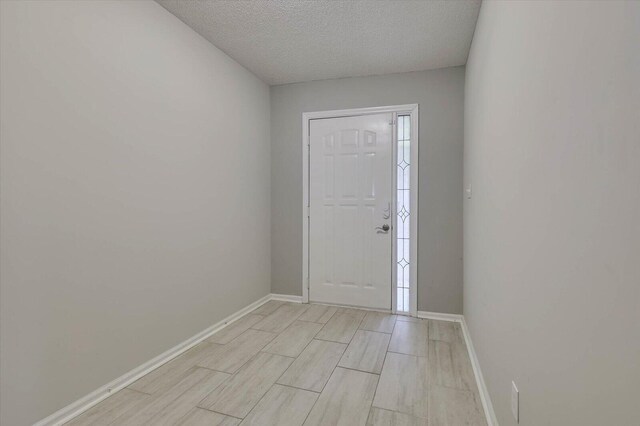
{"points": [[382, 229]]}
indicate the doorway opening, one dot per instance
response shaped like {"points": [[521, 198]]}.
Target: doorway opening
{"points": [[360, 208]]}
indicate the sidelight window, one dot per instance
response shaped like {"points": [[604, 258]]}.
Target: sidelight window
{"points": [[403, 212]]}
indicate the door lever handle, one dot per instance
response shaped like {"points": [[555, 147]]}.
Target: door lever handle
{"points": [[382, 229]]}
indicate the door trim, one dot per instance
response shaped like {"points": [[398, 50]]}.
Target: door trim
{"points": [[408, 109]]}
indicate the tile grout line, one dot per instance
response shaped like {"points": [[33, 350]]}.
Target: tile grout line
{"points": [[402, 353], [130, 389], [312, 322], [359, 371], [296, 388], [380, 377], [217, 412]]}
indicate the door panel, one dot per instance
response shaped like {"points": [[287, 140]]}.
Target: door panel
{"points": [[350, 183]]}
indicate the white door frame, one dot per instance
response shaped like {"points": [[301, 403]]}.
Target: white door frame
{"points": [[409, 109]]}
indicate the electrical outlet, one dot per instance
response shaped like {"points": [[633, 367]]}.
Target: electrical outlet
{"points": [[515, 402], [468, 192]]}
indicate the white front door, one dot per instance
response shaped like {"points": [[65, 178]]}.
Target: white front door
{"points": [[350, 184]]}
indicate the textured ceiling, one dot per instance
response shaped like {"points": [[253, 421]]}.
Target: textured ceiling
{"points": [[286, 41]]}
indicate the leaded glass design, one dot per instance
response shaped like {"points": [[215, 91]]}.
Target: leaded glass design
{"points": [[403, 211]]}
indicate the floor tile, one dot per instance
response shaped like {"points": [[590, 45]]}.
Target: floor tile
{"points": [[455, 407], [378, 321], [380, 417], [312, 369], [408, 318], [346, 399], [449, 365], [366, 352], [403, 385], [235, 329], [357, 313], [142, 414], [341, 327], [282, 406], [318, 313], [410, 338], [184, 403], [168, 374], [268, 308], [447, 331], [281, 318], [426, 376], [238, 395], [107, 411], [294, 339], [230, 357], [202, 417]]}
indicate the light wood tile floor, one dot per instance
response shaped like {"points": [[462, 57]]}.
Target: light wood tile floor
{"points": [[292, 364]]}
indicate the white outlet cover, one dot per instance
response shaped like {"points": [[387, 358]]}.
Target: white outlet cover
{"points": [[468, 192], [515, 402]]}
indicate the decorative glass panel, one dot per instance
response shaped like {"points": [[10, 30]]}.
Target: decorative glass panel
{"points": [[403, 212]]}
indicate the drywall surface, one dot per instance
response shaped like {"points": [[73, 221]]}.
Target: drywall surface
{"points": [[552, 231], [440, 94], [135, 194]]}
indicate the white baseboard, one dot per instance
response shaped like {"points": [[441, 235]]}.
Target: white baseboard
{"points": [[439, 316], [492, 420], [83, 404], [286, 298]]}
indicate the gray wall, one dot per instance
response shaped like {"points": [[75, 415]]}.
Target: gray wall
{"points": [[552, 232], [440, 94], [135, 190]]}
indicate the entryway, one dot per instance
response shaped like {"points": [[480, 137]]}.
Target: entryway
{"points": [[361, 207]]}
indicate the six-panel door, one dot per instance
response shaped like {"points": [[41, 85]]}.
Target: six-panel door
{"points": [[350, 184]]}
